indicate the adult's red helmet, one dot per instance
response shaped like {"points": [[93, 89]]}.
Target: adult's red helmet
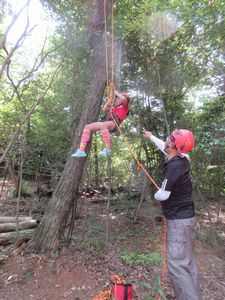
{"points": [[183, 140]]}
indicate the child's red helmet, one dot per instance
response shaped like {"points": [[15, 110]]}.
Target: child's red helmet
{"points": [[183, 140]]}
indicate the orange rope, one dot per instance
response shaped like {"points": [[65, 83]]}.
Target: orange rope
{"points": [[103, 296], [139, 164], [112, 86], [106, 49], [117, 280], [112, 4], [106, 295]]}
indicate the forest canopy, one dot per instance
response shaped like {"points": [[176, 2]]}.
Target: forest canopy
{"points": [[169, 56]]}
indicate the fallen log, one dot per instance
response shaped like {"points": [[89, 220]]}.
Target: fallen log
{"points": [[7, 227], [8, 237], [13, 219]]}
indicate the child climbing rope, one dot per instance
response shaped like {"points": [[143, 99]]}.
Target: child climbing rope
{"points": [[108, 124]]}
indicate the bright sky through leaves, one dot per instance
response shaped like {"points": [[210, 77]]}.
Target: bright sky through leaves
{"points": [[38, 18]]}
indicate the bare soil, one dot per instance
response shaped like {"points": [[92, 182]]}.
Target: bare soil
{"points": [[85, 267]]}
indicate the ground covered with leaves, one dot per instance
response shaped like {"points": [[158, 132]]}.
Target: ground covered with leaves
{"points": [[103, 245]]}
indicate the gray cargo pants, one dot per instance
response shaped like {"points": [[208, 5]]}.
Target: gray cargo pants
{"points": [[181, 265]]}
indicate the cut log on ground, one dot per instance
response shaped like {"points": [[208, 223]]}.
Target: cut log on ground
{"points": [[8, 237], [7, 227], [13, 219]]}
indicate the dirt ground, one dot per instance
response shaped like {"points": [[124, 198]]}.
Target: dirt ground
{"points": [[85, 267]]}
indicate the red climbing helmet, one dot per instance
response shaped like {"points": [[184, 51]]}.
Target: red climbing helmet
{"points": [[183, 140]]}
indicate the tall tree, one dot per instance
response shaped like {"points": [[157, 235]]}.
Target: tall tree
{"points": [[48, 234]]}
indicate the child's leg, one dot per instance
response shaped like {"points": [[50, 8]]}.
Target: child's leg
{"points": [[103, 126], [87, 132], [106, 138], [84, 139]]}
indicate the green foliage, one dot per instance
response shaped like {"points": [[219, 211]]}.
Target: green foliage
{"points": [[90, 239], [152, 258], [129, 257], [97, 244], [55, 175], [55, 254], [24, 192], [154, 288], [170, 50], [28, 276], [208, 159]]}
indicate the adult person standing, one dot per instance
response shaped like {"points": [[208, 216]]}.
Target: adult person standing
{"points": [[175, 196]]}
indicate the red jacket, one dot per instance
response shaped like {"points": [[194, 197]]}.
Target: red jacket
{"points": [[120, 111]]}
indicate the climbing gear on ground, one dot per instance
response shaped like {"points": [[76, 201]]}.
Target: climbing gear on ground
{"points": [[103, 296], [120, 289]]}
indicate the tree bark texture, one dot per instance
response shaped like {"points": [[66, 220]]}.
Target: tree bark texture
{"points": [[47, 235]]}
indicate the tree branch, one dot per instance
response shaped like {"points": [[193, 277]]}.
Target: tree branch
{"points": [[4, 37], [26, 117], [17, 45]]}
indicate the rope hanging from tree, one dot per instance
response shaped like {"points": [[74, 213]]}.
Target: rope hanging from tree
{"points": [[110, 101], [112, 86]]}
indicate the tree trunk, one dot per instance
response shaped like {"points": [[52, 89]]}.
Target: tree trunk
{"points": [[47, 235]]}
